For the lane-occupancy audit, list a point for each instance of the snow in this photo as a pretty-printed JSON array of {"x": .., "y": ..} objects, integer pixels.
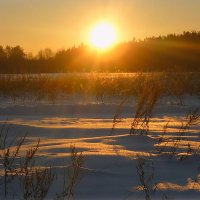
[{"x": 110, "y": 157}]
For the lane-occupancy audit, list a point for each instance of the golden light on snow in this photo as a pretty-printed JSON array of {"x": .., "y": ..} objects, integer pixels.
[{"x": 103, "y": 35}]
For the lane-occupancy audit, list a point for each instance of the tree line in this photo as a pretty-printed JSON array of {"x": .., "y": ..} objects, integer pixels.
[{"x": 173, "y": 52}]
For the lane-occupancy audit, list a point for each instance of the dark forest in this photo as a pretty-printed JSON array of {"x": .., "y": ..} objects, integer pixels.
[{"x": 174, "y": 52}]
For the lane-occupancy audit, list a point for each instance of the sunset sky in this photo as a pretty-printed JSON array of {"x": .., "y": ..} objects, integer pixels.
[{"x": 37, "y": 24}]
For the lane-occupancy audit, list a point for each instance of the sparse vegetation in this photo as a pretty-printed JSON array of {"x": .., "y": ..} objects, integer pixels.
[
  {"x": 35, "y": 181},
  {"x": 145, "y": 89},
  {"x": 148, "y": 88},
  {"x": 10, "y": 151},
  {"x": 146, "y": 174},
  {"x": 146, "y": 100},
  {"x": 172, "y": 144},
  {"x": 72, "y": 175}
]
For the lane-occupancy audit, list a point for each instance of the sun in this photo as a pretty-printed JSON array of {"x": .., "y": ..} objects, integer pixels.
[{"x": 103, "y": 36}]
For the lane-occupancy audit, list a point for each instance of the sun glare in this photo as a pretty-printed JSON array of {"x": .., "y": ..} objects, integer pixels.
[{"x": 103, "y": 36}]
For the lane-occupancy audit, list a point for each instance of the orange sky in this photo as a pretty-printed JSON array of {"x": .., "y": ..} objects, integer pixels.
[{"x": 37, "y": 24}]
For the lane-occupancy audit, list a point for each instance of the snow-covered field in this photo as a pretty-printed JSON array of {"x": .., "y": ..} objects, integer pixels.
[{"x": 109, "y": 169}]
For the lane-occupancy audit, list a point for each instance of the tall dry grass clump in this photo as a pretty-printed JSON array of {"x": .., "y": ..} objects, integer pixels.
[
  {"x": 146, "y": 174},
  {"x": 35, "y": 182},
  {"x": 18, "y": 165},
  {"x": 147, "y": 93},
  {"x": 9, "y": 155},
  {"x": 147, "y": 97},
  {"x": 191, "y": 119},
  {"x": 72, "y": 175},
  {"x": 172, "y": 145}
]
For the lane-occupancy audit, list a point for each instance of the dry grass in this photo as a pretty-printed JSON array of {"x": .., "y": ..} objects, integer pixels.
[
  {"x": 39, "y": 87},
  {"x": 9, "y": 154},
  {"x": 35, "y": 183},
  {"x": 172, "y": 145},
  {"x": 72, "y": 176},
  {"x": 149, "y": 94},
  {"x": 146, "y": 174},
  {"x": 19, "y": 165}
]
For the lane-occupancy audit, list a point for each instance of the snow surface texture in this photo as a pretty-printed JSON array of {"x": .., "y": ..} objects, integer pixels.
[{"x": 110, "y": 157}]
